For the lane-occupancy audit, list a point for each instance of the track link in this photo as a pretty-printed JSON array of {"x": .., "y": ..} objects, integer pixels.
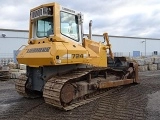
[
  {"x": 63, "y": 91},
  {"x": 52, "y": 91},
  {"x": 20, "y": 85}
]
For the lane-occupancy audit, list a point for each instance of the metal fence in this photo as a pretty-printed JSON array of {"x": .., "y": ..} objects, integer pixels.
[
  {"x": 6, "y": 55},
  {"x": 130, "y": 54},
  {"x": 144, "y": 44},
  {"x": 5, "y": 58},
  {"x": 5, "y": 61}
]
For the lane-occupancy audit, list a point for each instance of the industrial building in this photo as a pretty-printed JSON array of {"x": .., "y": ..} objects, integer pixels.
[
  {"x": 132, "y": 46},
  {"x": 11, "y": 40}
]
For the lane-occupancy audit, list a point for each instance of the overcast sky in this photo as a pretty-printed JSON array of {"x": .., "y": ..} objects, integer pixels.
[{"x": 139, "y": 18}]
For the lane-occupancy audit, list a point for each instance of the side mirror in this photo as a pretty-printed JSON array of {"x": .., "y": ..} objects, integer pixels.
[{"x": 76, "y": 19}]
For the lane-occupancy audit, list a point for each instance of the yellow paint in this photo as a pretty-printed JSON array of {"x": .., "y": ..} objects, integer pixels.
[
  {"x": 98, "y": 56},
  {"x": 62, "y": 50}
]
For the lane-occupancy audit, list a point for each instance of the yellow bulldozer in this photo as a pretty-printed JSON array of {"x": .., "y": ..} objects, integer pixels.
[{"x": 65, "y": 68}]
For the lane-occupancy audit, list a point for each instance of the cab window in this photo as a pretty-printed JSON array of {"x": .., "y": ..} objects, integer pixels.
[
  {"x": 69, "y": 26},
  {"x": 44, "y": 27}
]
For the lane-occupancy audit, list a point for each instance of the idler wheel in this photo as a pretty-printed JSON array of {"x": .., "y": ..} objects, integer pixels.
[{"x": 67, "y": 93}]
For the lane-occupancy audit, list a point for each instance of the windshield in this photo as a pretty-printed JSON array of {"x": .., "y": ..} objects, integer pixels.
[
  {"x": 44, "y": 27},
  {"x": 69, "y": 26}
]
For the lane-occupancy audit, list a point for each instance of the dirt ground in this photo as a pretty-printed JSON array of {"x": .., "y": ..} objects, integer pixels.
[{"x": 132, "y": 102}]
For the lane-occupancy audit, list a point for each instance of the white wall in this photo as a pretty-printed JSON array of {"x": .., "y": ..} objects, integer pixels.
[
  {"x": 16, "y": 38},
  {"x": 126, "y": 45},
  {"x": 12, "y": 41}
]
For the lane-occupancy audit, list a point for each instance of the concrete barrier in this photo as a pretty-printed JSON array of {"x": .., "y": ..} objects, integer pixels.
[
  {"x": 148, "y": 61},
  {"x": 152, "y": 67},
  {"x": 22, "y": 67},
  {"x": 158, "y": 66},
  {"x": 139, "y": 61},
  {"x": 12, "y": 65},
  {"x": 143, "y": 68},
  {"x": 156, "y": 60},
  {"x": 15, "y": 74}
]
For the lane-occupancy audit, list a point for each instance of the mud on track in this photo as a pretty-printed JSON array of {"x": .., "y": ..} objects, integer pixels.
[{"x": 131, "y": 102}]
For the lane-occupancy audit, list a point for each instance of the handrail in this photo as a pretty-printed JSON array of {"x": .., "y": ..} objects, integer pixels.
[
  {"x": 19, "y": 49},
  {"x": 109, "y": 45}
]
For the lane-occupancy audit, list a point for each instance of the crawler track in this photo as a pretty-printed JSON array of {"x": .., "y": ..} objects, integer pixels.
[
  {"x": 60, "y": 91},
  {"x": 53, "y": 91},
  {"x": 20, "y": 85}
]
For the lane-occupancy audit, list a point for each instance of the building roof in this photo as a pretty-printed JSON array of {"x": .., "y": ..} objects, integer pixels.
[
  {"x": 14, "y": 30},
  {"x": 115, "y": 36},
  {"x": 17, "y": 30}
]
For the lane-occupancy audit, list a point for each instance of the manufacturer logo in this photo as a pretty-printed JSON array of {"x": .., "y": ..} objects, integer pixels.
[{"x": 35, "y": 50}]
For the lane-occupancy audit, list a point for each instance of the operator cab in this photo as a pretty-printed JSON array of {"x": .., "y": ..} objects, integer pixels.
[{"x": 52, "y": 20}]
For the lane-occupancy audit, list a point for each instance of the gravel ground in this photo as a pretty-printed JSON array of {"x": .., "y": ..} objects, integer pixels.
[{"x": 131, "y": 102}]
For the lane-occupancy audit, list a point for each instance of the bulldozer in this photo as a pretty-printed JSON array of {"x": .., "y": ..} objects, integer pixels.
[{"x": 63, "y": 66}]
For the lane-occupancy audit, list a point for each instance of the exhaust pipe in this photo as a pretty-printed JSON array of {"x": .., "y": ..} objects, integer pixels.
[{"x": 90, "y": 30}]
